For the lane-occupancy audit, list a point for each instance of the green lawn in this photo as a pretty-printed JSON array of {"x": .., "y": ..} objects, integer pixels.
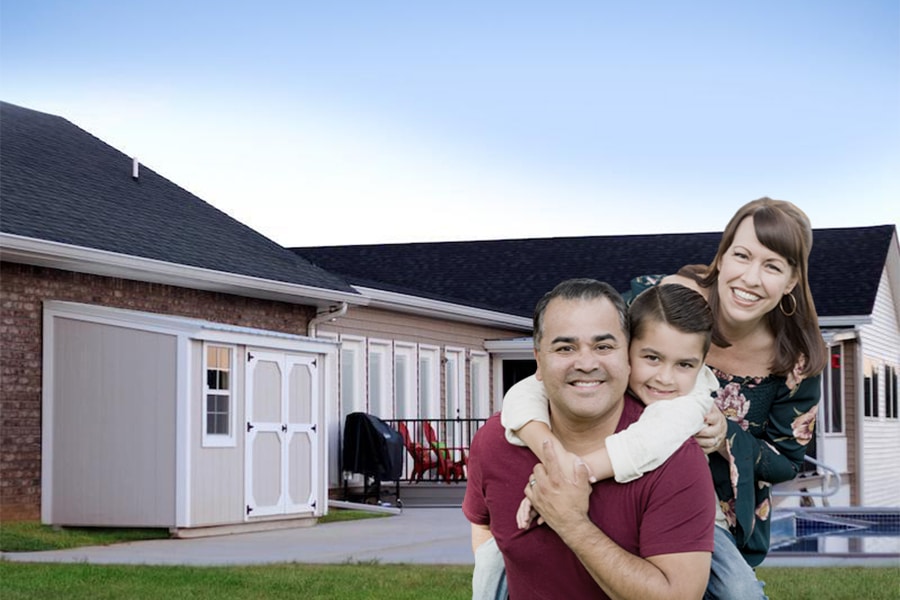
[
  {"x": 367, "y": 580},
  {"x": 370, "y": 581}
]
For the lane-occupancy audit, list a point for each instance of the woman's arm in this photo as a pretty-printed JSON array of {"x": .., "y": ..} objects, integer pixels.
[{"x": 789, "y": 429}]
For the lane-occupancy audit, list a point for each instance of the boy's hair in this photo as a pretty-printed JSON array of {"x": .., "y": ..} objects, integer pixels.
[
  {"x": 579, "y": 289},
  {"x": 676, "y": 305}
]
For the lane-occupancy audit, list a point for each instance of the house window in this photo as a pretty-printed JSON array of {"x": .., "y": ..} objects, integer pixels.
[
  {"x": 379, "y": 370},
  {"x": 405, "y": 381},
  {"x": 833, "y": 392},
  {"x": 480, "y": 387},
  {"x": 218, "y": 396},
  {"x": 890, "y": 392},
  {"x": 870, "y": 390},
  {"x": 353, "y": 380},
  {"x": 455, "y": 383},
  {"x": 429, "y": 382}
]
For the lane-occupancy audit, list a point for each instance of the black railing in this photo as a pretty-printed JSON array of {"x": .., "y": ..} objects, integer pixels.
[{"x": 436, "y": 449}]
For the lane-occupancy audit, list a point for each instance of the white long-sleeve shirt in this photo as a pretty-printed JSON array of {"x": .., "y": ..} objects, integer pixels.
[{"x": 644, "y": 445}]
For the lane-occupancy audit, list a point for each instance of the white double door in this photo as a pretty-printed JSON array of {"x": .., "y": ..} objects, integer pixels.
[{"x": 282, "y": 470}]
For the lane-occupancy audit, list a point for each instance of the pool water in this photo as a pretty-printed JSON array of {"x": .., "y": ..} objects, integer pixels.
[{"x": 854, "y": 531}]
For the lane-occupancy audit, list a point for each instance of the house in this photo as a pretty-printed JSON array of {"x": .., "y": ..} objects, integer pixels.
[
  {"x": 855, "y": 282},
  {"x": 153, "y": 348},
  {"x": 156, "y": 365}
]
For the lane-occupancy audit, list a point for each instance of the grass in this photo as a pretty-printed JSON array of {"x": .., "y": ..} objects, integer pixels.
[
  {"x": 370, "y": 581},
  {"x": 359, "y": 580},
  {"x": 31, "y": 536}
]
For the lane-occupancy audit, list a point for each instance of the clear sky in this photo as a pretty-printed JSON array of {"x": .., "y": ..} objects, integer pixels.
[{"x": 344, "y": 122}]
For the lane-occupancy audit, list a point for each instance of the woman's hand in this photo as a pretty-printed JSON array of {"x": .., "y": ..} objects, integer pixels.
[{"x": 712, "y": 437}]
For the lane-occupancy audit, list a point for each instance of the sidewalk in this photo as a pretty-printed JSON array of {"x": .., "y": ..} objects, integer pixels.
[{"x": 416, "y": 535}]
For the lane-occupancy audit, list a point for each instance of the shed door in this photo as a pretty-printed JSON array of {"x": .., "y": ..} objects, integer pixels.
[{"x": 282, "y": 451}]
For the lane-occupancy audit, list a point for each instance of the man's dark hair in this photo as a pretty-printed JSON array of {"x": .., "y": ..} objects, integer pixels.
[{"x": 579, "y": 289}]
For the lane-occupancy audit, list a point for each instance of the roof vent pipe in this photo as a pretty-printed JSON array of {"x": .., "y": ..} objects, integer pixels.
[{"x": 135, "y": 169}]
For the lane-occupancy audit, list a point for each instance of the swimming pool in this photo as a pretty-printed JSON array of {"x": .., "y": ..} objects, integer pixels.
[{"x": 840, "y": 532}]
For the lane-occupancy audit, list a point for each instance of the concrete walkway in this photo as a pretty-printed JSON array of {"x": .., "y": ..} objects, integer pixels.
[{"x": 416, "y": 535}]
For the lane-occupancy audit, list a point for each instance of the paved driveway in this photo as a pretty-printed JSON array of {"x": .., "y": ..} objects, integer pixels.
[{"x": 416, "y": 535}]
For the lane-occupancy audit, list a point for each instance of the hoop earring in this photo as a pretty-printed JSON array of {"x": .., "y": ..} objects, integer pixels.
[{"x": 793, "y": 307}]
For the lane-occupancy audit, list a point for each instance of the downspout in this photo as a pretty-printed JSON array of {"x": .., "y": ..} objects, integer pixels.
[{"x": 332, "y": 314}]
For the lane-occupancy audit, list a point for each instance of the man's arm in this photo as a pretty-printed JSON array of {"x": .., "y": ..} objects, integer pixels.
[
  {"x": 564, "y": 507},
  {"x": 480, "y": 534}
]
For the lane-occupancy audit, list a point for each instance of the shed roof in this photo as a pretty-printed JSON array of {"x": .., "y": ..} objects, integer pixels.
[
  {"x": 59, "y": 183},
  {"x": 511, "y": 275}
]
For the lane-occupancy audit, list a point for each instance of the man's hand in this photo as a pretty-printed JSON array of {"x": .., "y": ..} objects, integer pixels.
[{"x": 560, "y": 501}]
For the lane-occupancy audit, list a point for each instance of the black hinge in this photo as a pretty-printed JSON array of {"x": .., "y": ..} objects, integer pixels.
[
  {"x": 313, "y": 427},
  {"x": 313, "y": 503},
  {"x": 314, "y": 361},
  {"x": 249, "y": 509},
  {"x": 283, "y": 427},
  {"x": 249, "y": 357},
  {"x": 249, "y": 426}
]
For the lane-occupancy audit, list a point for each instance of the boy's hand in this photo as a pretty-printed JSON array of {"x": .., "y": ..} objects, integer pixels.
[{"x": 525, "y": 514}]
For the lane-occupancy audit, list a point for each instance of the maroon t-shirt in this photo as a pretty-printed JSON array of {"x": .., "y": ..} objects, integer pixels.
[{"x": 669, "y": 510}]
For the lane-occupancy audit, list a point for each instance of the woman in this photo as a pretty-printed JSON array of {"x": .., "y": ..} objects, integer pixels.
[{"x": 767, "y": 354}]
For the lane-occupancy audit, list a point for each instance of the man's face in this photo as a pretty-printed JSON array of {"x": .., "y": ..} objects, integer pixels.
[{"x": 583, "y": 360}]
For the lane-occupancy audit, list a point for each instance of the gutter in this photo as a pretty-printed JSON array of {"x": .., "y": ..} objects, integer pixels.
[
  {"x": 68, "y": 257},
  {"x": 443, "y": 310},
  {"x": 332, "y": 314}
]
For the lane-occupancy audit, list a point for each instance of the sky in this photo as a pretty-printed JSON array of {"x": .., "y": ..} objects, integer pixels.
[{"x": 361, "y": 122}]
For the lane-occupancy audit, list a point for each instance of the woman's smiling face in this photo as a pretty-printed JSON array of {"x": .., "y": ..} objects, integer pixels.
[{"x": 752, "y": 278}]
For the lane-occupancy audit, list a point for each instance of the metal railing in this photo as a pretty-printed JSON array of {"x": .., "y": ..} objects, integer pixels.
[
  {"x": 436, "y": 450},
  {"x": 831, "y": 477}
]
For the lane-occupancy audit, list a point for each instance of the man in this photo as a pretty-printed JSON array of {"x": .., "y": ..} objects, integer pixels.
[{"x": 650, "y": 538}]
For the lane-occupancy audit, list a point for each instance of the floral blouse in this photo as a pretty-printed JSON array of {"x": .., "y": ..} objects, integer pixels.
[{"x": 770, "y": 422}]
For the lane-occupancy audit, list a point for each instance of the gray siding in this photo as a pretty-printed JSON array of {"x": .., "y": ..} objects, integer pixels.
[{"x": 114, "y": 392}]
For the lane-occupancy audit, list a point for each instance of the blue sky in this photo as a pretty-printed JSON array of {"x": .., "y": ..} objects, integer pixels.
[{"x": 322, "y": 123}]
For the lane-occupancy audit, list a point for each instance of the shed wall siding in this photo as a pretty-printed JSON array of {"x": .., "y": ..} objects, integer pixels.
[
  {"x": 24, "y": 289},
  {"x": 881, "y": 436},
  {"x": 113, "y": 425},
  {"x": 217, "y": 474}
]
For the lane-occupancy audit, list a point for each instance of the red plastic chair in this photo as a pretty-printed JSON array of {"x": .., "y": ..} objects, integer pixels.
[
  {"x": 448, "y": 468},
  {"x": 421, "y": 455}
]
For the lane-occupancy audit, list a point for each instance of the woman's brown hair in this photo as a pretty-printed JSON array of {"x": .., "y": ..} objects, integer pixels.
[{"x": 783, "y": 228}]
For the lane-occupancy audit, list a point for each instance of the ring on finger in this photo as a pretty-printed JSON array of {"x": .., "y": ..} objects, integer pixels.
[{"x": 532, "y": 482}]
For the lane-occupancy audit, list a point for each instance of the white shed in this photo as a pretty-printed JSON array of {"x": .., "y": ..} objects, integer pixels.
[{"x": 152, "y": 420}]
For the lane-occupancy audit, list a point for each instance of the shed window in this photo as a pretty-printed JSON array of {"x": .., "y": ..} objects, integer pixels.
[{"x": 218, "y": 402}]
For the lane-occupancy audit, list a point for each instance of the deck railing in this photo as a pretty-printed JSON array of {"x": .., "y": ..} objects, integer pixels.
[{"x": 436, "y": 450}]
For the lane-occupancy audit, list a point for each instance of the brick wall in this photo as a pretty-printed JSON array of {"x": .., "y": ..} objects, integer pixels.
[{"x": 23, "y": 289}]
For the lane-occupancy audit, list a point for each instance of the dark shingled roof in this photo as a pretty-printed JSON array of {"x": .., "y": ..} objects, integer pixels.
[
  {"x": 511, "y": 275},
  {"x": 62, "y": 184}
]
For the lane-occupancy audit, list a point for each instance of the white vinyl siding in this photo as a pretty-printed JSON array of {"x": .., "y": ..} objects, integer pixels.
[{"x": 880, "y": 435}]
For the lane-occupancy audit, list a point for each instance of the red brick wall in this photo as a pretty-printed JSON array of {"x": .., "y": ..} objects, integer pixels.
[{"x": 23, "y": 289}]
